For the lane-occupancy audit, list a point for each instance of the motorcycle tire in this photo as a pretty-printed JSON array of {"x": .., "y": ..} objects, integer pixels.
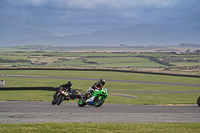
[
  {"x": 54, "y": 101},
  {"x": 81, "y": 103},
  {"x": 98, "y": 102},
  {"x": 198, "y": 101},
  {"x": 60, "y": 99}
]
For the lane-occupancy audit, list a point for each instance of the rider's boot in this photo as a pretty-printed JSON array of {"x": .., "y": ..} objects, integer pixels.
[
  {"x": 90, "y": 100},
  {"x": 68, "y": 97}
]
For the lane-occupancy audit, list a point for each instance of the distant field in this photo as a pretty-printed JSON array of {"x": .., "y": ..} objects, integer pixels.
[
  {"x": 139, "y": 58},
  {"x": 186, "y": 63},
  {"x": 125, "y": 60},
  {"x": 132, "y": 65},
  {"x": 118, "y": 59},
  {"x": 76, "y": 59},
  {"x": 13, "y": 57},
  {"x": 77, "y": 62}
]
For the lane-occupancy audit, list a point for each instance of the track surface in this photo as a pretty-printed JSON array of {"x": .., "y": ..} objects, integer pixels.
[{"x": 38, "y": 112}]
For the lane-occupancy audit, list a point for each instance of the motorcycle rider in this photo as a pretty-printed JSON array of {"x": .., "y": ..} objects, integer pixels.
[
  {"x": 66, "y": 87},
  {"x": 99, "y": 84}
]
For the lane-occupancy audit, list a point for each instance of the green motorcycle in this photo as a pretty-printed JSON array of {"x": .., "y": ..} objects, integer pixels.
[{"x": 100, "y": 96}]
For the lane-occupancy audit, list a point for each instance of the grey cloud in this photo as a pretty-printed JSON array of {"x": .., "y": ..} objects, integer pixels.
[
  {"x": 90, "y": 4},
  {"x": 97, "y": 12}
]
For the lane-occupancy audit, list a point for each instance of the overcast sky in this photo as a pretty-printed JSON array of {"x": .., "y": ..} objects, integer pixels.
[{"x": 81, "y": 16}]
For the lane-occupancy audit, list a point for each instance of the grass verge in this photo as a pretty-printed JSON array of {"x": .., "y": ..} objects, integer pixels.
[{"x": 101, "y": 127}]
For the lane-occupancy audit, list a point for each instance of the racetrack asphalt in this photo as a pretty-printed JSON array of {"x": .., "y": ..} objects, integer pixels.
[{"x": 39, "y": 112}]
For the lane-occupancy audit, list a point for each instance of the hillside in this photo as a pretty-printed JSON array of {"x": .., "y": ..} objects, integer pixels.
[{"x": 146, "y": 34}]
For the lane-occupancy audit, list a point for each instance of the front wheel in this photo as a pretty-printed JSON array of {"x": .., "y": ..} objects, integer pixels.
[
  {"x": 99, "y": 101},
  {"x": 198, "y": 101},
  {"x": 60, "y": 99},
  {"x": 81, "y": 103},
  {"x": 54, "y": 101}
]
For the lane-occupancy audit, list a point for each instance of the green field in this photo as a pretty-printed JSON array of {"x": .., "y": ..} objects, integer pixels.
[
  {"x": 143, "y": 98},
  {"x": 123, "y": 62},
  {"x": 129, "y": 60},
  {"x": 103, "y": 74},
  {"x": 103, "y": 60}
]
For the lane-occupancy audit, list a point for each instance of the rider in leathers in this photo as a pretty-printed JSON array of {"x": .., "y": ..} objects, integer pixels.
[
  {"x": 66, "y": 87},
  {"x": 97, "y": 85}
]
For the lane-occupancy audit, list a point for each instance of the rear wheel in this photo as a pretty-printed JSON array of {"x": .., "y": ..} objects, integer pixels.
[
  {"x": 60, "y": 99},
  {"x": 81, "y": 103},
  {"x": 198, "y": 101},
  {"x": 99, "y": 101}
]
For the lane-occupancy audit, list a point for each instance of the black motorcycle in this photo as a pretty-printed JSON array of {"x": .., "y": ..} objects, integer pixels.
[
  {"x": 61, "y": 95},
  {"x": 198, "y": 101}
]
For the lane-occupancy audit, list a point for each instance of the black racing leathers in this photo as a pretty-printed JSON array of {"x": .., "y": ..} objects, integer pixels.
[
  {"x": 65, "y": 87},
  {"x": 96, "y": 86}
]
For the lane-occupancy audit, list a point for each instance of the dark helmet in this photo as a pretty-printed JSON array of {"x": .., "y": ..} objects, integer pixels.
[
  {"x": 69, "y": 83},
  {"x": 102, "y": 82}
]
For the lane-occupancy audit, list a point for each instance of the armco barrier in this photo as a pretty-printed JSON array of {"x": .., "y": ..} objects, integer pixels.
[
  {"x": 74, "y": 92},
  {"x": 29, "y": 88}
]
